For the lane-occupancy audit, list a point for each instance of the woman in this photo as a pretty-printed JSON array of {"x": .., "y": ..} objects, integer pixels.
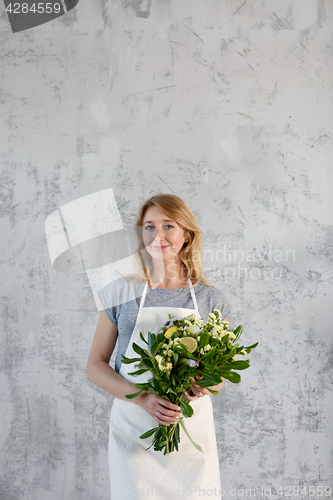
[{"x": 172, "y": 282}]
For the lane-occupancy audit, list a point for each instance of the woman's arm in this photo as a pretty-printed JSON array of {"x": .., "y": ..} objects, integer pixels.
[{"x": 100, "y": 373}]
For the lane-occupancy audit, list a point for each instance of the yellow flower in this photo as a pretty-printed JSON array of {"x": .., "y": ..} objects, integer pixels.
[{"x": 169, "y": 332}]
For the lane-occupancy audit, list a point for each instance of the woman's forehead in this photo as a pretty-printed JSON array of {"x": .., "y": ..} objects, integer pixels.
[{"x": 155, "y": 213}]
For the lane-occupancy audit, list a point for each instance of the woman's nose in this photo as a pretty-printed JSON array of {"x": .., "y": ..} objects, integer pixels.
[{"x": 160, "y": 234}]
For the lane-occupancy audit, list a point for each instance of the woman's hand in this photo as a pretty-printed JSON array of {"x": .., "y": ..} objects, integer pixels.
[
  {"x": 197, "y": 390},
  {"x": 160, "y": 409}
]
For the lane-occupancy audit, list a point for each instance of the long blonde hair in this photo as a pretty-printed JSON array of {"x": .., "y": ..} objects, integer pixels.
[{"x": 191, "y": 254}]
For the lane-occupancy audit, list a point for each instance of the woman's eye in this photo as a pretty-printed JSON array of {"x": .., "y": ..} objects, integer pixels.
[{"x": 152, "y": 227}]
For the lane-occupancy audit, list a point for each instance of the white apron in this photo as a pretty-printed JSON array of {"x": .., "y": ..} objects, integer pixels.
[{"x": 141, "y": 474}]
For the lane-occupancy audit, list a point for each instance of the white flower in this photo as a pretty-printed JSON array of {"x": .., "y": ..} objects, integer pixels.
[
  {"x": 243, "y": 352},
  {"x": 193, "y": 329},
  {"x": 231, "y": 335},
  {"x": 207, "y": 347},
  {"x": 199, "y": 322},
  {"x": 217, "y": 313}
]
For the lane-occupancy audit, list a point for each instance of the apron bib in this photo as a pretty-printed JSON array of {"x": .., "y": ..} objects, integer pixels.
[{"x": 135, "y": 472}]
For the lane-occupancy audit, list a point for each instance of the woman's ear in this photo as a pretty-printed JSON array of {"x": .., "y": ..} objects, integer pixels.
[{"x": 187, "y": 237}]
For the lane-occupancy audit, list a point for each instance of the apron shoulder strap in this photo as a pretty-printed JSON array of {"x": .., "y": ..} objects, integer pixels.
[
  {"x": 143, "y": 298},
  {"x": 193, "y": 296}
]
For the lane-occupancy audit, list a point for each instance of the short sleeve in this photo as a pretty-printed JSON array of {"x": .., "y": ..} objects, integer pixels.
[{"x": 105, "y": 296}]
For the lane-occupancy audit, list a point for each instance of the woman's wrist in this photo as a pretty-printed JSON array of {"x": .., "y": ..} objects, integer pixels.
[{"x": 138, "y": 400}]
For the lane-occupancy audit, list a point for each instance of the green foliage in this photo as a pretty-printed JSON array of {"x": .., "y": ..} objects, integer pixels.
[
  {"x": 172, "y": 365},
  {"x": 186, "y": 408},
  {"x": 132, "y": 396}
]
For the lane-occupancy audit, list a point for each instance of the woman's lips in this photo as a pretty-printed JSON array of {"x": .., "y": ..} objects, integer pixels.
[{"x": 162, "y": 247}]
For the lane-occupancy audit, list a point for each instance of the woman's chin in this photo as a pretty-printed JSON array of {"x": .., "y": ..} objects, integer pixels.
[{"x": 161, "y": 255}]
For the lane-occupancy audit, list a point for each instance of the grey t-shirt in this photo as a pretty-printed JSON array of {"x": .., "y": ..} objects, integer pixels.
[{"x": 121, "y": 301}]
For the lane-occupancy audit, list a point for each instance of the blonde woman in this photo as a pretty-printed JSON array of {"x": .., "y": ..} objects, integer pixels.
[{"x": 171, "y": 281}]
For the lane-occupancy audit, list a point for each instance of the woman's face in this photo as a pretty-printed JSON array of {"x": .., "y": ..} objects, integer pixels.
[{"x": 162, "y": 237}]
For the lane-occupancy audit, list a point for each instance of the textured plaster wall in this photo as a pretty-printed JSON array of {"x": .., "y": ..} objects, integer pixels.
[{"x": 227, "y": 104}]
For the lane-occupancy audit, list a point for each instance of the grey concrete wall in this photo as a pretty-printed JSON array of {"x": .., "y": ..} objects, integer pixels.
[{"x": 227, "y": 104}]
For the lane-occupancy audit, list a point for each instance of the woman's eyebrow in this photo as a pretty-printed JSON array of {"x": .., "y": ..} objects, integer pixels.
[{"x": 151, "y": 222}]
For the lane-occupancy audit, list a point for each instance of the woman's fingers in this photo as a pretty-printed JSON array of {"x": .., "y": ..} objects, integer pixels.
[
  {"x": 166, "y": 420},
  {"x": 168, "y": 404},
  {"x": 166, "y": 412},
  {"x": 191, "y": 398},
  {"x": 197, "y": 390}
]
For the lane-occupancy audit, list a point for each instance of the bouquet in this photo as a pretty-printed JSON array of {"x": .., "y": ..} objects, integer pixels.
[{"x": 182, "y": 349}]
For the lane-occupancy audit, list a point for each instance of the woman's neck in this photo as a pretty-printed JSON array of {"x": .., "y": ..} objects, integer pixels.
[{"x": 168, "y": 275}]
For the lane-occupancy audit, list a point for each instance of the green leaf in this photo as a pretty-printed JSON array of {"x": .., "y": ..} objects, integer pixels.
[
  {"x": 157, "y": 347},
  {"x": 233, "y": 377},
  {"x": 181, "y": 421},
  {"x": 211, "y": 378},
  {"x": 239, "y": 365},
  {"x": 151, "y": 340},
  {"x": 215, "y": 393},
  {"x": 238, "y": 331},
  {"x": 183, "y": 362},
  {"x": 187, "y": 409},
  {"x": 144, "y": 387},
  {"x": 232, "y": 353},
  {"x": 148, "y": 363},
  {"x": 138, "y": 349},
  {"x": 204, "y": 339},
  {"x": 185, "y": 353},
  {"x": 128, "y": 361},
  {"x": 143, "y": 339},
  {"x": 148, "y": 433},
  {"x": 132, "y": 396},
  {"x": 248, "y": 349},
  {"x": 139, "y": 372},
  {"x": 207, "y": 366},
  {"x": 163, "y": 386}
]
